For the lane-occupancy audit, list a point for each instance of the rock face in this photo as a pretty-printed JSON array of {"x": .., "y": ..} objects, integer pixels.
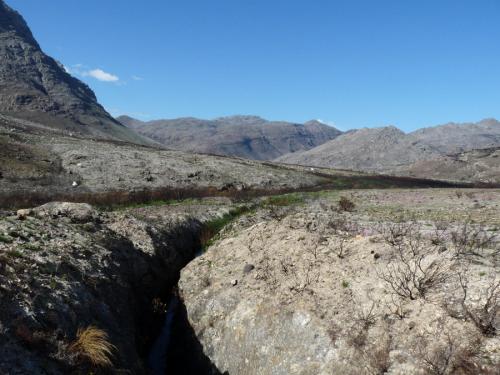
[
  {"x": 34, "y": 86},
  {"x": 319, "y": 299},
  {"x": 249, "y": 137},
  {"x": 389, "y": 150}
]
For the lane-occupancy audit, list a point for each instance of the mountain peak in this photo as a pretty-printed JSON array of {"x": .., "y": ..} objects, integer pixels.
[
  {"x": 11, "y": 22},
  {"x": 36, "y": 87},
  {"x": 241, "y": 119}
]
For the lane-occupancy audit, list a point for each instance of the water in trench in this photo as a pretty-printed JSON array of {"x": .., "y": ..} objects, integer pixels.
[
  {"x": 157, "y": 359},
  {"x": 177, "y": 350}
]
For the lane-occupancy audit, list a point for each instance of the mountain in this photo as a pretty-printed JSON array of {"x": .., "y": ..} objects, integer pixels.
[
  {"x": 389, "y": 150},
  {"x": 454, "y": 138},
  {"x": 378, "y": 149},
  {"x": 34, "y": 86},
  {"x": 248, "y": 137},
  {"x": 481, "y": 165}
]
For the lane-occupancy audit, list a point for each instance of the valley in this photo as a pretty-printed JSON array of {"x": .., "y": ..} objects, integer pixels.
[{"x": 234, "y": 245}]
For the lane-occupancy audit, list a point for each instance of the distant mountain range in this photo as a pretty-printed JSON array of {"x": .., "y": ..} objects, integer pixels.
[
  {"x": 389, "y": 150},
  {"x": 37, "y": 94},
  {"x": 248, "y": 137},
  {"x": 34, "y": 86}
]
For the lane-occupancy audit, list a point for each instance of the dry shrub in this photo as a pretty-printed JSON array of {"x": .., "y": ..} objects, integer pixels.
[
  {"x": 364, "y": 317},
  {"x": 471, "y": 240},
  {"x": 442, "y": 352},
  {"x": 93, "y": 344},
  {"x": 484, "y": 310},
  {"x": 412, "y": 274},
  {"x": 344, "y": 231},
  {"x": 345, "y": 204}
]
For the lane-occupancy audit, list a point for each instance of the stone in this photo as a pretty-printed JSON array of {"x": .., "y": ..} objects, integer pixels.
[
  {"x": 23, "y": 214},
  {"x": 248, "y": 268},
  {"x": 77, "y": 212}
]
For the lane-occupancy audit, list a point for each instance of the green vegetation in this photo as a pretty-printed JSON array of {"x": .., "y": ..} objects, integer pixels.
[
  {"x": 153, "y": 203},
  {"x": 6, "y": 239},
  {"x": 345, "y": 284},
  {"x": 31, "y": 246},
  {"x": 14, "y": 254},
  {"x": 284, "y": 200},
  {"x": 211, "y": 229}
]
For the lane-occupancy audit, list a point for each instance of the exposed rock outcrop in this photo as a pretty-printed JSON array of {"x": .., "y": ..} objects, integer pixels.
[
  {"x": 67, "y": 267},
  {"x": 319, "y": 299}
]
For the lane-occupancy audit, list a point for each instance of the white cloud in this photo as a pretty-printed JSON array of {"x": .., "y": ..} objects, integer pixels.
[
  {"x": 137, "y": 78},
  {"x": 82, "y": 70},
  {"x": 101, "y": 75}
]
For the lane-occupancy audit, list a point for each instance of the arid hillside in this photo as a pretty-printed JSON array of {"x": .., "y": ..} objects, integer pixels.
[{"x": 248, "y": 137}]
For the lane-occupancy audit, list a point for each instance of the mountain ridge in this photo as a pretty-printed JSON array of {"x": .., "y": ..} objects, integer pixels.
[
  {"x": 244, "y": 136},
  {"x": 427, "y": 152}
]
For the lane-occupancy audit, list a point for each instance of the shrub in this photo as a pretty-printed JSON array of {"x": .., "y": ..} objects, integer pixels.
[
  {"x": 470, "y": 240},
  {"x": 484, "y": 313},
  {"x": 411, "y": 274},
  {"x": 345, "y": 204},
  {"x": 93, "y": 344},
  {"x": 442, "y": 352},
  {"x": 6, "y": 239}
]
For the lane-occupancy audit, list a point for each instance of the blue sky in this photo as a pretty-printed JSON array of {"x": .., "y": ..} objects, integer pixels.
[{"x": 352, "y": 63}]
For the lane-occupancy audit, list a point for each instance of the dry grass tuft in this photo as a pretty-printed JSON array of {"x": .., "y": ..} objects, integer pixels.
[{"x": 93, "y": 344}]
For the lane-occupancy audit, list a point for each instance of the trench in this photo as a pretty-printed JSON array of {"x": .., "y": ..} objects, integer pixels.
[
  {"x": 176, "y": 349},
  {"x": 173, "y": 347}
]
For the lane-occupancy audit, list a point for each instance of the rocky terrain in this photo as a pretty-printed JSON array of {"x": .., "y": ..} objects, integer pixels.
[
  {"x": 179, "y": 254},
  {"x": 389, "y": 150},
  {"x": 476, "y": 165},
  {"x": 248, "y": 137},
  {"x": 399, "y": 282},
  {"x": 306, "y": 283},
  {"x": 36, "y": 87},
  {"x": 65, "y": 267},
  {"x": 37, "y": 166}
]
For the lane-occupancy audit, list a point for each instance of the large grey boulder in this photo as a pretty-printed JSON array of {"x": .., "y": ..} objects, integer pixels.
[{"x": 76, "y": 212}]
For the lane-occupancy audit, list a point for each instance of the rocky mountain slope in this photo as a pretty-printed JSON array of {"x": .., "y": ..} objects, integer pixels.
[
  {"x": 389, "y": 150},
  {"x": 477, "y": 165},
  {"x": 36, "y": 87},
  {"x": 376, "y": 150},
  {"x": 249, "y": 137},
  {"x": 454, "y": 138}
]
